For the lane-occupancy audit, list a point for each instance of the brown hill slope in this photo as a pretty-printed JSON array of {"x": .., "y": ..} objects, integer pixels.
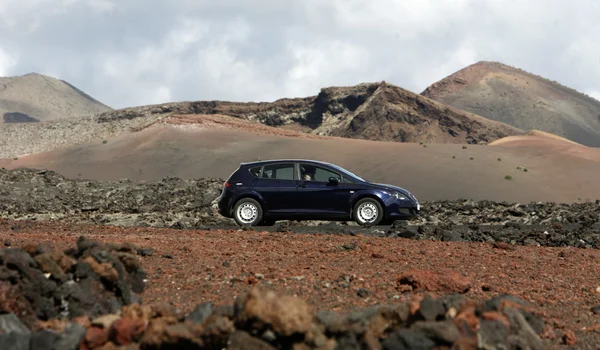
[
  {"x": 521, "y": 99},
  {"x": 32, "y": 97},
  {"x": 195, "y": 146},
  {"x": 373, "y": 111}
]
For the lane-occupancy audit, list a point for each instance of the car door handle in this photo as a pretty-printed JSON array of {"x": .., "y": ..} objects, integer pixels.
[{"x": 303, "y": 185}]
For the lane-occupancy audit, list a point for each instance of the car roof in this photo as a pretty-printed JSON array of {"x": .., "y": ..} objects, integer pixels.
[{"x": 271, "y": 161}]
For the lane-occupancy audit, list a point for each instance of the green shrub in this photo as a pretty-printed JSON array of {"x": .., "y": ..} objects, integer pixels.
[{"x": 508, "y": 177}]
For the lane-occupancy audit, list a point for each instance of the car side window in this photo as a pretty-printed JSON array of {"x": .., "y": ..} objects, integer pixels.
[
  {"x": 316, "y": 173},
  {"x": 255, "y": 171},
  {"x": 278, "y": 171},
  {"x": 347, "y": 180}
]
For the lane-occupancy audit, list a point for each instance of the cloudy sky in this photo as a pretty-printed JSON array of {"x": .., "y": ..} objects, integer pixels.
[{"x": 135, "y": 52}]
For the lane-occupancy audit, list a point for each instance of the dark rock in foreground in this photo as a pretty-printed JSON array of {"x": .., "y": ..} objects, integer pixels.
[
  {"x": 263, "y": 320},
  {"x": 39, "y": 284}
]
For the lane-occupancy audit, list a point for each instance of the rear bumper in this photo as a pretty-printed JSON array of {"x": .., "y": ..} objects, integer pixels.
[{"x": 223, "y": 207}]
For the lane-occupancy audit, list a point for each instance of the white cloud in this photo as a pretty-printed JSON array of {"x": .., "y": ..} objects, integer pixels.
[
  {"x": 102, "y": 6},
  {"x": 594, "y": 94},
  {"x": 135, "y": 52},
  {"x": 408, "y": 18},
  {"x": 324, "y": 63},
  {"x": 6, "y": 63}
]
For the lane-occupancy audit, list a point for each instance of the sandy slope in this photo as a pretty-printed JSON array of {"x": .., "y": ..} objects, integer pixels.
[
  {"x": 45, "y": 98},
  {"x": 549, "y": 144},
  {"x": 199, "y": 146}
]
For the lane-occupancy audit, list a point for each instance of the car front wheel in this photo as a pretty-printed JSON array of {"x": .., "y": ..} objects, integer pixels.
[
  {"x": 247, "y": 212},
  {"x": 368, "y": 211}
]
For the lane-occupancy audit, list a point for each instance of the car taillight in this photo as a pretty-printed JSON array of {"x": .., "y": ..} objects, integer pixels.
[{"x": 227, "y": 184}]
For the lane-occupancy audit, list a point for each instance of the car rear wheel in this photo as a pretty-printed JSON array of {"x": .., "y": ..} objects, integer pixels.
[
  {"x": 368, "y": 211},
  {"x": 247, "y": 212}
]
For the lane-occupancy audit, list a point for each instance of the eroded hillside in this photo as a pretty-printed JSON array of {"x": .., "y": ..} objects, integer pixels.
[{"x": 373, "y": 111}]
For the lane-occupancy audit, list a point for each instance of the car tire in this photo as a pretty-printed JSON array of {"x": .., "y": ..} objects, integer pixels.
[
  {"x": 368, "y": 211},
  {"x": 247, "y": 212}
]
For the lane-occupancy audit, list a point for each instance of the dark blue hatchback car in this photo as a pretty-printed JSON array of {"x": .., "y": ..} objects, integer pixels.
[{"x": 260, "y": 193}]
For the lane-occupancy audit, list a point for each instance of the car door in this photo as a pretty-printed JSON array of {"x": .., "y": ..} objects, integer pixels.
[
  {"x": 277, "y": 186},
  {"x": 319, "y": 197}
]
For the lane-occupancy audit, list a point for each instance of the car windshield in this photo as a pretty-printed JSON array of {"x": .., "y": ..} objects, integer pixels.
[{"x": 347, "y": 172}]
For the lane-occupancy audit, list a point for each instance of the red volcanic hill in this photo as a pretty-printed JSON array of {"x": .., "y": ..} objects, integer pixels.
[{"x": 521, "y": 99}]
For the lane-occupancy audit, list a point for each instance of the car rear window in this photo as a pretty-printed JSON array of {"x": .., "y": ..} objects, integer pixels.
[{"x": 255, "y": 171}]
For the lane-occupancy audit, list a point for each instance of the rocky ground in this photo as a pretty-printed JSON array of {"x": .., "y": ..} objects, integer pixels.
[
  {"x": 166, "y": 288},
  {"x": 190, "y": 204}
]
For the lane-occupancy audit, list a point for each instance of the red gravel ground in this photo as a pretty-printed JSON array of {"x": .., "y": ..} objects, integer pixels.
[{"x": 188, "y": 267}]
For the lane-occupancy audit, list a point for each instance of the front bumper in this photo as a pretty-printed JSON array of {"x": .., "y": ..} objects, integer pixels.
[{"x": 403, "y": 209}]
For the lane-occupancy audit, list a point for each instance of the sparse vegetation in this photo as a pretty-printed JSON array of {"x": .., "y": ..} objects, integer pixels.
[
  {"x": 104, "y": 141},
  {"x": 464, "y": 147},
  {"x": 519, "y": 167},
  {"x": 453, "y": 157},
  {"x": 508, "y": 177},
  {"x": 525, "y": 169},
  {"x": 16, "y": 158},
  {"x": 499, "y": 159},
  {"x": 471, "y": 158}
]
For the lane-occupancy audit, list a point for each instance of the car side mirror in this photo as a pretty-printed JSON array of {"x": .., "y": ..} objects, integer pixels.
[{"x": 334, "y": 180}]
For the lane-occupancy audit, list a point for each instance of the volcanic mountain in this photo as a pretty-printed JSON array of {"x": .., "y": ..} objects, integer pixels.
[
  {"x": 521, "y": 99},
  {"x": 369, "y": 111},
  {"x": 34, "y": 97}
]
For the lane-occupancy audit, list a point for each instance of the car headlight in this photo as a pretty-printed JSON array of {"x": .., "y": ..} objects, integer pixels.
[{"x": 399, "y": 195}]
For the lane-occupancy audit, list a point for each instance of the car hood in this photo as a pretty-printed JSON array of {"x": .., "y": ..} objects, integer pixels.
[{"x": 389, "y": 187}]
